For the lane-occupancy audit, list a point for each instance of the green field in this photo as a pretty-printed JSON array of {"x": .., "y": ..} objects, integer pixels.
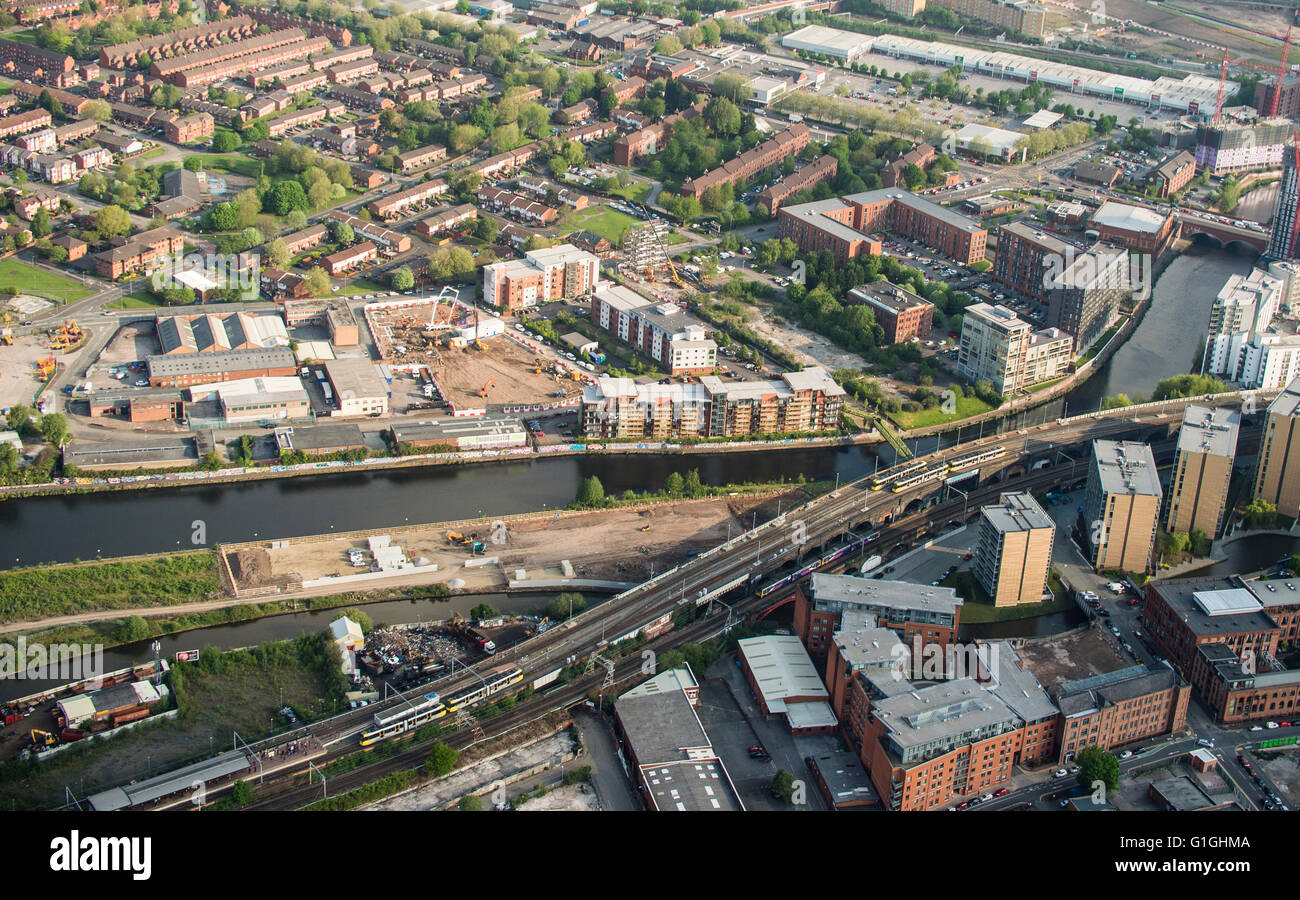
[
  {"x": 966, "y": 407},
  {"x": 608, "y": 223},
  {"x": 235, "y": 163},
  {"x": 138, "y": 300},
  {"x": 363, "y": 286},
  {"x": 25, "y": 279},
  {"x": 636, "y": 191}
]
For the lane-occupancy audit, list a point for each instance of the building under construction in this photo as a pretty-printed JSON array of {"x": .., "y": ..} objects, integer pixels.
[
  {"x": 645, "y": 249},
  {"x": 1241, "y": 141}
]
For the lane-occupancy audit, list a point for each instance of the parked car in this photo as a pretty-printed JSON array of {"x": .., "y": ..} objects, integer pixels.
[{"x": 1127, "y": 754}]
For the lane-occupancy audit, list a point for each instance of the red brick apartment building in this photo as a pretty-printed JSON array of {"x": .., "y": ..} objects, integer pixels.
[
  {"x": 628, "y": 89},
  {"x": 22, "y": 122},
  {"x": 138, "y": 252},
  {"x": 920, "y": 156},
  {"x": 1136, "y": 227},
  {"x": 1183, "y": 614},
  {"x": 399, "y": 203},
  {"x": 304, "y": 240},
  {"x": 1172, "y": 175},
  {"x": 1120, "y": 707},
  {"x": 757, "y": 159},
  {"x": 421, "y": 157},
  {"x": 630, "y": 148},
  {"x": 822, "y": 169},
  {"x": 843, "y": 225},
  {"x": 274, "y": 19},
  {"x": 1024, "y": 255},
  {"x": 71, "y": 103},
  {"x": 901, "y": 313},
  {"x": 929, "y": 614},
  {"x": 183, "y": 129}
]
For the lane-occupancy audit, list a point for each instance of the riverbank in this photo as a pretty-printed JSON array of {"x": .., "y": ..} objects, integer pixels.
[
  {"x": 249, "y": 580},
  {"x": 167, "y": 479}
]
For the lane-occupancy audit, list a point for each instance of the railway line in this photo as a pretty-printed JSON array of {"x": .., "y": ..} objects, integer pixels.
[{"x": 742, "y": 561}]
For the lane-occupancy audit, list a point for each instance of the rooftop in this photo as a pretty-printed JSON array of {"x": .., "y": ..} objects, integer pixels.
[
  {"x": 888, "y": 296},
  {"x": 319, "y": 437},
  {"x": 220, "y": 361},
  {"x": 781, "y": 668},
  {"x": 1287, "y": 403},
  {"x": 1126, "y": 467},
  {"x": 355, "y": 378},
  {"x": 950, "y": 709},
  {"x": 889, "y": 594},
  {"x": 1017, "y": 512},
  {"x": 1129, "y": 218},
  {"x": 1209, "y": 430},
  {"x": 662, "y": 728},
  {"x": 1180, "y": 595}
]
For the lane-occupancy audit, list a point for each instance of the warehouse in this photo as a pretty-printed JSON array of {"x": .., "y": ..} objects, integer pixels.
[
  {"x": 138, "y": 404},
  {"x": 212, "y": 333},
  {"x": 780, "y": 672},
  {"x": 846, "y": 45},
  {"x": 463, "y": 434},
  {"x": 319, "y": 440},
  {"x": 164, "y": 453},
  {"x": 183, "y": 370},
  {"x": 110, "y": 704},
  {"x": 256, "y": 399},
  {"x": 359, "y": 389}
]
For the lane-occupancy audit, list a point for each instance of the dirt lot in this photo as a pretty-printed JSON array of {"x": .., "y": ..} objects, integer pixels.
[
  {"x": 604, "y": 545},
  {"x": 18, "y": 368},
  {"x": 1284, "y": 771},
  {"x": 570, "y": 798},
  {"x": 1166, "y": 17},
  {"x": 133, "y": 342},
  {"x": 1071, "y": 656},
  {"x": 510, "y": 368}
]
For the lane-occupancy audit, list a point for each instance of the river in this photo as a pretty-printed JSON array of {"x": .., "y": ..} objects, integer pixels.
[{"x": 84, "y": 526}]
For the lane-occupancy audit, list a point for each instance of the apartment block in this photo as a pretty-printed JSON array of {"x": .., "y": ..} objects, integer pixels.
[
  {"x": 308, "y": 238},
  {"x": 820, "y": 170},
  {"x": 401, "y": 202},
  {"x": 177, "y": 43},
  {"x": 663, "y": 331},
  {"x": 753, "y": 161},
  {"x": 902, "y": 314},
  {"x": 555, "y": 273},
  {"x": 798, "y": 402},
  {"x": 421, "y": 157},
  {"x": 139, "y": 252},
  {"x": 927, "y": 614},
  {"x": 1121, "y": 506},
  {"x": 1172, "y": 175},
  {"x": 1120, "y": 707},
  {"x": 999, "y": 347},
  {"x": 1083, "y": 297},
  {"x": 1024, "y": 256},
  {"x": 1014, "y": 553},
  {"x": 1277, "y": 477},
  {"x": 1198, "y": 487},
  {"x": 18, "y": 123},
  {"x": 844, "y": 226}
]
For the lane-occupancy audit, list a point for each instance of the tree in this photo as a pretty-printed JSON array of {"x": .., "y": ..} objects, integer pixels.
[
  {"x": 470, "y": 802},
  {"x": 692, "y": 484},
  {"x": 1258, "y": 513},
  {"x": 225, "y": 141},
  {"x": 783, "y": 784},
  {"x": 1186, "y": 386},
  {"x": 193, "y": 163},
  {"x": 98, "y": 110},
  {"x": 733, "y": 87},
  {"x": 241, "y": 794},
  {"x": 674, "y": 484},
  {"x": 561, "y": 605},
  {"x": 442, "y": 759},
  {"x": 1095, "y": 764},
  {"x": 277, "y": 253},
  {"x": 343, "y": 232},
  {"x": 18, "y": 176},
  {"x": 590, "y": 493},
  {"x": 134, "y": 629},
  {"x": 54, "y": 427},
  {"x": 318, "y": 281},
  {"x": 482, "y": 611},
  {"x": 403, "y": 280},
  {"x": 287, "y": 196},
  {"x": 41, "y": 222},
  {"x": 112, "y": 221}
]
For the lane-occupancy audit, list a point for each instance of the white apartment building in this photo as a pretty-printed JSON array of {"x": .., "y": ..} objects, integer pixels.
[
  {"x": 1243, "y": 309},
  {"x": 999, "y": 347}
]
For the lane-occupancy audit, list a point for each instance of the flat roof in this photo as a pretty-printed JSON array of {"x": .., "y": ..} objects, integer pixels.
[
  {"x": 892, "y": 594},
  {"x": 813, "y": 37},
  {"x": 929, "y": 207},
  {"x": 1275, "y": 592},
  {"x": 1017, "y": 512},
  {"x": 1210, "y": 430},
  {"x": 1126, "y": 467},
  {"x": 1226, "y": 602},
  {"x": 165, "y": 450},
  {"x": 662, "y": 728},
  {"x": 781, "y": 669},
  {"x": 693, "y": 785},
  {"x": 319, "y": 437},
  {"x": 679, "y": 679},
  {"x": 458, "y": 428},
  {"x": 923, "y": 716},
  {"x": 868, "y": 647},
  {"x": 999, "y": 140},
  {"x": 355, "y": 378},
  {"x": 844, "y": 777},
  {"x": 1287, "y": 403},
  {"x": 1128, "y": 218},
  {"x": 1180, "y": 595}
]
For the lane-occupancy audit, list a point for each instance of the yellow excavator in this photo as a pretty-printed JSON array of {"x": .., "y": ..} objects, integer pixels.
[{"x": 42, "y": 738}]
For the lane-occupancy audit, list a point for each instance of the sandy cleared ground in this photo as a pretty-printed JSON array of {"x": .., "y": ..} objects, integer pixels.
[
  {"x": 1068, "y": 657},
  {"x": 608, "y": 544},
  {"x": 1167, "y": 19},
  {"x": 1284, "y": 771},
  {"x": 570, "y": 798},
  {"x": 508, "y": 365},
  {"x": 18, "y": 383},
  {"x": 813, "y": 348}
]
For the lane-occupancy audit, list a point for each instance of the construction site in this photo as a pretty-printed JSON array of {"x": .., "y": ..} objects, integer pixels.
[
  {"x": 471, "y": 358},
  {"x": 618, "y": 545},
  {"x": 29, "y": 361}
]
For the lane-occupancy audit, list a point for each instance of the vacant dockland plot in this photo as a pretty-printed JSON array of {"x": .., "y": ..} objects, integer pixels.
[{"x": 506, "y": 368}]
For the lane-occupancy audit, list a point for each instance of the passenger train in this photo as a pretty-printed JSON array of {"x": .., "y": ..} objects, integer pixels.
[{"x": 400, "y": 720}]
